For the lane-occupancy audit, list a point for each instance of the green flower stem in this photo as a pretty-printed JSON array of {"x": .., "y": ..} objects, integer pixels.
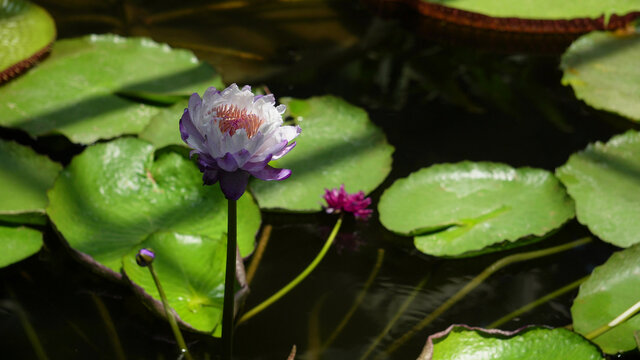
[
  {"x": 356, "y": 302},
  {"x": 511, "y": 259},
  {"x": 537, "y": 303},
  {"x": 229, "y": 280},
  {"x": 275, "y": 297},
  {"x": 615, "y": 322},
  {"x": 396, "y": 317},
  {"x": 170, "y": 317}
]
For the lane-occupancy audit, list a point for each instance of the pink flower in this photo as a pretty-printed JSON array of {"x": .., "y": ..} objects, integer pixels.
[{"x": 338, "y": 200}]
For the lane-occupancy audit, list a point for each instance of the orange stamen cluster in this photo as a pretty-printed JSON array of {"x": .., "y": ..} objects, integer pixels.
[{"x": 231, "y": 118}]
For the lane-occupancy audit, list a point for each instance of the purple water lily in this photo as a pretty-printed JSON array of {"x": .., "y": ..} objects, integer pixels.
[
  {"x": 236, "y": 134},
  {"x": 338, "y": 200}
]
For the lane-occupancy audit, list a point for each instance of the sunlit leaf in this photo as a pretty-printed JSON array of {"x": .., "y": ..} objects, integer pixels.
[{"x": 18, "y": 243}]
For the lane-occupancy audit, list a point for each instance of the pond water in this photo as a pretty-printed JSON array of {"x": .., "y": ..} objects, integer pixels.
[{"x": 436, "y": 102}]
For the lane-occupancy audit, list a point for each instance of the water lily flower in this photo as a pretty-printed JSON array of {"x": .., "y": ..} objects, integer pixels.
[
  {"x": 338, "y": 200},
  {"x": 236, "y": 134}
]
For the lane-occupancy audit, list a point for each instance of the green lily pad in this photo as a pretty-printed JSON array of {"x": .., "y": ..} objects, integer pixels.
[
  {"x": 460, "y": 208},
  {"x": 610, "y": 290},
  {"x": 163, "y": 128},
  {"x": 75, "y": 91},
  {"x": 531, "y": 343},
  {"x": 191, "y": 271},
  {"x": 601, "y": 69},
  {"x": 114, "y": 195},
  {"x": 338, "y": 145},
  {"x": 544, "y": 9},
  {"x": 26, "y": 30},
  {"x": 604, "y": 181},
  {"x": 25, "y": 177},
  {"x": 17, "y": 244}
]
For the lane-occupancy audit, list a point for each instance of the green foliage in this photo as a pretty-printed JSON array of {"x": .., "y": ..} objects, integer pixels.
[
  {"x": 25, "y": 30},
  {"x": 75, "y": 92},
  {"x": 114, "y": 195},
  {"x": 532, "y": 343},
  {"x": 460, "y": 208},
  {"x": 25, "y": 177},
  {"x": 601, "y": 68},
  {"x": 604, "y": 181},
  {"x": 610, "y": 290},
  {"x": 338, "y": 145},
  {"x": 163, "y": 129},
  {"x": 17, "y": 244},
  {"x": 191, "y": 270}
]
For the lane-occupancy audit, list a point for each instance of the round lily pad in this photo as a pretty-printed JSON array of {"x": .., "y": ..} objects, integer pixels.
[
  {"x": 611, "y": 289},
  {"x": 18, "y": 243},
  {"x": 163, "y": 127},
  {"x": 26, "y": 32},
  {"x": 338, "y": 145},
  {"x": 191, "y": 270},
  {"x": 114, "y": 195},
  {"x": 601, "y": 69},
  {"x": 531, "y": 343},
  {"x": 75, "y": 92},
  {"x": 25, "y": 177},
  {"x": 604, "y": 181},
  {"x": 464, "y": 207}
]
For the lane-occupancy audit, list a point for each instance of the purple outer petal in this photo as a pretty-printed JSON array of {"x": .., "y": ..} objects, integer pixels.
[
  {"x": 210, "y": 176},
  {"x": 233, "y": 184},
  {"x": 284, "y": 151},
  {"x": 188, "y": 130},
  {"x": 271, "y": 173},
  {"x": 227, "y": 163},
  {"x": 255, "y": 166}
]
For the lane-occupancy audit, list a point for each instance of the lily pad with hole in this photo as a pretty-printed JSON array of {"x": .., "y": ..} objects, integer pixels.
[
  {"x": 338, "y": 145},
  {"x": 114, "y": 195},
  {"x": 611, "y": 289},
  {"x": 191, "y": 271},
  {"x": 601, "y": 69},
  {"x": 17, "y": 244},
  {"x": 26, "y": 32},
  {"x": 531, "y": 343},
  {"x": 25, "y": 177},
  {"x": 604, "y": 181},
  {"x": 98, "y": 87},
  {"x": 459, "y": 209}
]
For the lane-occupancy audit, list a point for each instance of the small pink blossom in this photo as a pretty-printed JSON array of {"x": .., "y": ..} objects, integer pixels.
[{"x": 338, "y": 200}]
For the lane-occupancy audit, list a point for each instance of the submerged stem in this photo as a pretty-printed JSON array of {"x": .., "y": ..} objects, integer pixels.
[
  {"x": 229, "y": 281},
  {"x": 537, "y": 302},
  {"x": 275, "y": 297},
  {"x": 169, "y": 314},
  {"x": 257, "y": 256},
  {"x": 111, "y": 328},
  {"x": 511, "y": 259}
]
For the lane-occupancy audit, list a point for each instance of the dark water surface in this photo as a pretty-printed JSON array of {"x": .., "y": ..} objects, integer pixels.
[{"x": 436, "y": 102}]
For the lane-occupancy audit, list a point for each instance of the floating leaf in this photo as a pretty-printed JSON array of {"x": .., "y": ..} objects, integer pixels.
[
  {"x": 610, "y": 290},
  {"x": 601, "y": 69},
  {"x": 25, "y": 177},
  {"x": 338, "y": 145},
  {"x": 459, "y": 208},
  {"x": 26, "y": 31},
  {"x": 17, "y": 244},
  {"x": 163, "y": 128},
  {"x": 531, "y": 343},
  {"x": 114, "y": 195},
  {"x": 604, "y": 181},
  {"x": 191, "y": 270},
  {"x": 74, "y": 91}
]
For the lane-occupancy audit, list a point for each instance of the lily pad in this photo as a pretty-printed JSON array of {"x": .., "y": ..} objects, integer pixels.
[
  {"x": 26, "y": 32},
  {"x": 465, "y": 207},
  {"x": 163, "y": 127},
  {"x": 17, "y": 244},
  {"x": 114, "y": 195},
  {"x": 610, "y": 290},
  {"x": 25, "y": 177},
  {"x": 191, "y": 271},
  {"x": 601, "y": 69},
  {"x": 75, "y": 91},
  {"x": 338, "y": 145},
  {"x": 532, "y": 343},
  {"x": 604, "y": 181}
]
